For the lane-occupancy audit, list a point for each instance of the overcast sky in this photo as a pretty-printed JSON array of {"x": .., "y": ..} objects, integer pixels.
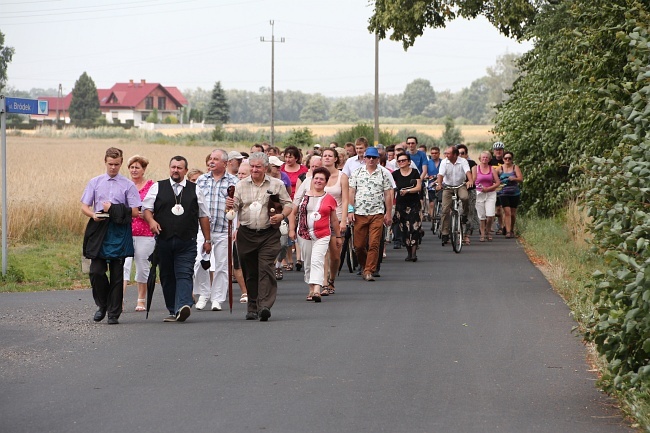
[{"x": 194, "y": 43}]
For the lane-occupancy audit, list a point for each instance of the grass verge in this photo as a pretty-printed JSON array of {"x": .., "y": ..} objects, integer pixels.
[
  {"x": 559, "y": 248},
  {"x": 44, "y": 265}
]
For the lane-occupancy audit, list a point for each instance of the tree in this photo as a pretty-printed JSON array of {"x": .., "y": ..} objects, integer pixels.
[
  {"x": 315, "y": 110},
  {"x": 153, "y": 116},
  {"x": 341, "y": 112},
  {"x": 451, "y": 135},
  {"x": 84, "y": 106},
  {"x": 417, "y": 96},
  {"x": 407, "y": 19},
  {"x": 6, "y": 55},
  {"x": 218, "y": 109}
]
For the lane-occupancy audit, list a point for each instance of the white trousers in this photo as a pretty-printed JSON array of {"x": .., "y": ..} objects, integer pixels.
[
  {"x": 313, "y": 255},
  {"x": 218, "y": 291},
  {"x": 485, "y": 204},
  {"x": 143, "y": 246}
]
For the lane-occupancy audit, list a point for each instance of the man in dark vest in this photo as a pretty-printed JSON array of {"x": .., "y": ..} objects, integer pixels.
[{"x": 174, "y": 208}]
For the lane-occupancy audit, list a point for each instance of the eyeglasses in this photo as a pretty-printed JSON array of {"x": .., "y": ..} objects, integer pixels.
[
  {"x": 507, "y": 158},
  {"x": 372, "y": 157},
  {"x": 462, "y": 153},
  {"x": 402, "y": 160},
  {"x": 411, "y": 142}
]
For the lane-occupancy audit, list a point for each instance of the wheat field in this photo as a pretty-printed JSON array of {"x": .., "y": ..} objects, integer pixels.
[{"x": 46, "y": 177}]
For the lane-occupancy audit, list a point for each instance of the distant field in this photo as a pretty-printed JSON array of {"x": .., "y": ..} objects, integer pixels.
[{"x": 472, "y": 133}]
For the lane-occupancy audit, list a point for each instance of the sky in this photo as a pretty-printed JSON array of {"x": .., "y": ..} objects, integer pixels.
[{"x": 327, "y": 48}]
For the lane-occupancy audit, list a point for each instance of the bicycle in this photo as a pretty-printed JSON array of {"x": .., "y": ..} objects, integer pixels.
[
  {"x": 437, "y": 210},
  {"x": 456, "y": 226}
]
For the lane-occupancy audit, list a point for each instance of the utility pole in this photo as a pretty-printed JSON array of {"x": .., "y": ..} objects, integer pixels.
[
  {"x": 376, "y": 89},
  {"x": 272, "y": 41},
  {"x": 58, "y": 102}
]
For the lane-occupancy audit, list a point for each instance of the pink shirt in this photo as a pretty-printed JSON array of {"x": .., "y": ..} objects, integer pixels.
[
  {"x": 293, "y": 177},
  {"x": 139, "y": 226}
]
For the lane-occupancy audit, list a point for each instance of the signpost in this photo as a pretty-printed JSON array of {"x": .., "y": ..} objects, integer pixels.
[{"x": 18, "y": 106}]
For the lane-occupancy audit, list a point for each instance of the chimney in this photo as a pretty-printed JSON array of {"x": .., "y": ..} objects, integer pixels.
[
  {"x": 130, "y": 83},
  {"x": 143, "y": 81}
]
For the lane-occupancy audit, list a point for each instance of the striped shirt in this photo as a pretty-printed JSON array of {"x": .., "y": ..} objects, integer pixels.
[{"x": 215, "y": 193}]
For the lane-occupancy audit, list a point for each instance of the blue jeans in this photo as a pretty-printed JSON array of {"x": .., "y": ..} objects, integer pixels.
[{"x": 177, "y": 271}]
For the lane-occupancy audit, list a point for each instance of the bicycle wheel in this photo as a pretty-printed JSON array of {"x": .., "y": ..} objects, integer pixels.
[
  {"x": 456, "y": 232},
  {"x": 435, "y": 225}
]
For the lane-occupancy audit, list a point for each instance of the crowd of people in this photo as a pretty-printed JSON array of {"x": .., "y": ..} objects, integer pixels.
[{"x": 275, "y": 214}]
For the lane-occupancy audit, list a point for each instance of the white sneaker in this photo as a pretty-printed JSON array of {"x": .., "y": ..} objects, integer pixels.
[
  {"x": 203, "y": 300},
  {"x": 216, "y": 306}
]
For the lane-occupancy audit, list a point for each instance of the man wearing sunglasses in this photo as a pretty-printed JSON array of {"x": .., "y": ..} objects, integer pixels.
[{"x": 371, "y": 198}]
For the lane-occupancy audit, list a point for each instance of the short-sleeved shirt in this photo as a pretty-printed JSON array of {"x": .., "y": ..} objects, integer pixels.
[
  {"x": 116, "y": 190},
  {"x": 150, "y": 198},
  {"x": 293, "y": 176},
  {"x": 419, "y": 158},
  {"x": 453, "y": 174},
  {"x": 247, "y": 193},
  {"x": 370, "y": 187},
  {"x": 405, "y": 182},
  {"x": 215, "y": 193},
  {"x": 432, "y": 168}
]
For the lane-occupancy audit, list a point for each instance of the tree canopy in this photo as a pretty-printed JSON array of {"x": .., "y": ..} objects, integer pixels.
[
  {"x": 407, "y": 19},
  {"x": 84, "y": 106},
  {"x": 218, "y": 108},
  {"x": 6, "y": 55}
]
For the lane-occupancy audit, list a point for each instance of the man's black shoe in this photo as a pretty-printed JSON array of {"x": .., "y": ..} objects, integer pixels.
[
  {"x": 113, "y": 321},
  {"x": 251, "y": 316},
  {"x": 99, "y": 315},
  {"x": 265, "y": 314},
  {"x": 445, "y": 239}
]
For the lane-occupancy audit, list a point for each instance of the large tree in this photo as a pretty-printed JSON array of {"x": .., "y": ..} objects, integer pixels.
[
  {"x": 417, "y": 96},
  {"x": 84, "y": 106},
  {"x": 407, "y": 19},
  {"x": 315, "y": 110},
  {"x": 218, "y": 108},
  {"x": 6, "y": 55}
]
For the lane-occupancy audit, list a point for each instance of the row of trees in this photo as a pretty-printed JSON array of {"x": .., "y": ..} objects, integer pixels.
[{"x": 419, "y": 102}]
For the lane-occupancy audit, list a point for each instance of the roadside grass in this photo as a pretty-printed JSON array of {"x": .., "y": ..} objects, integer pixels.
[
  {"x": 559, "y": 247},
  {"x": 44, "y": 265}
]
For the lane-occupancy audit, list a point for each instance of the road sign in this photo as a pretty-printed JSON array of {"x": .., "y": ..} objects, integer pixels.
[{"x": 27, "y": 106}]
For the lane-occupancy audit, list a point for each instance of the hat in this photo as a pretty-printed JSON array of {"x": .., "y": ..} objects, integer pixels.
[
  {"x": 372, "y": 151},
  {"x": 316, "y": 146},
  {"x": 275, "y": 161},
  {"x": 233, "y": 154}
]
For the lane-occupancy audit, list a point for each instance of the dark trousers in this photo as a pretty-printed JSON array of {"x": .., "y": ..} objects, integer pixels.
[
  {"x": 257, "y": 253},
  {"x": 176, "y": 258},
  {"x": 107, "y": 289}
]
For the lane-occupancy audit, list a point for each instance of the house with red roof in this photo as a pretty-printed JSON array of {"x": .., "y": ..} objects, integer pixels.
[{"x": 125, "y": 101}]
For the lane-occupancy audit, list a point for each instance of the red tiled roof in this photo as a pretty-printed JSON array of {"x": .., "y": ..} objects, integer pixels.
[{"x": 128, "y": 95}]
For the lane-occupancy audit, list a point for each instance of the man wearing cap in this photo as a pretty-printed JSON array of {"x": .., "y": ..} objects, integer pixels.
[
  {"x": 214, "y": 187},
  {"x": 234, "y": 161},
  {"x": 371, "y": 198}
]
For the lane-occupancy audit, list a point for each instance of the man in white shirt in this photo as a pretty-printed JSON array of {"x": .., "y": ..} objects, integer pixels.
[{"x": 452, "y": 172}]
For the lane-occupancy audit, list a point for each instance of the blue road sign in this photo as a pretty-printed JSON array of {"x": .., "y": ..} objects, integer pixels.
[{"x": 26, "y": 106}]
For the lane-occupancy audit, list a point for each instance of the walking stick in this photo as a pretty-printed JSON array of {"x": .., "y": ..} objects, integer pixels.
[{"x": 230, "y": 215}]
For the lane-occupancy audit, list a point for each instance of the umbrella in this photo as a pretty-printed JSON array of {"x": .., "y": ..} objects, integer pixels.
[
  {"x": 344, "y": 248},
  {"x": 231, "y": 194},
  {"x": 151, "y": 281}
]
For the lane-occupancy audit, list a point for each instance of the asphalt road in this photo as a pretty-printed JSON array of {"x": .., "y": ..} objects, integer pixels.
[{"x": 470, "y": 342}]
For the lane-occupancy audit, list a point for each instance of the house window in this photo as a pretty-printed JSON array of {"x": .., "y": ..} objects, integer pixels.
[
  {"x": 144, "y": 116},
  {"x": 148, "y": 103},
  {"x": 162, "y": 103},
  {"x": 113, "y": 99}
]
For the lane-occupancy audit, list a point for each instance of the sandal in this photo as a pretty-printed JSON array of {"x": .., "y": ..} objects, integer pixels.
[
  {"x": 310, "y": 297},
  {"x": 141, "y": 307},
  {"x": 466, "y": 240},
  {"x": 481, "y": 239},
  {"x": 278, "y": 274},
  {"x": 288, "y": 267},
  {"x": 489, "y": 238},
  {"x": 330, "y": 287},
  {"x": 243, "y": 299},
  {"x": 316, "y": 297},
  {"x": 325, "y": 291},
  {"x": 298, "y": 265},
  {"x": 510, "y": 235}
]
